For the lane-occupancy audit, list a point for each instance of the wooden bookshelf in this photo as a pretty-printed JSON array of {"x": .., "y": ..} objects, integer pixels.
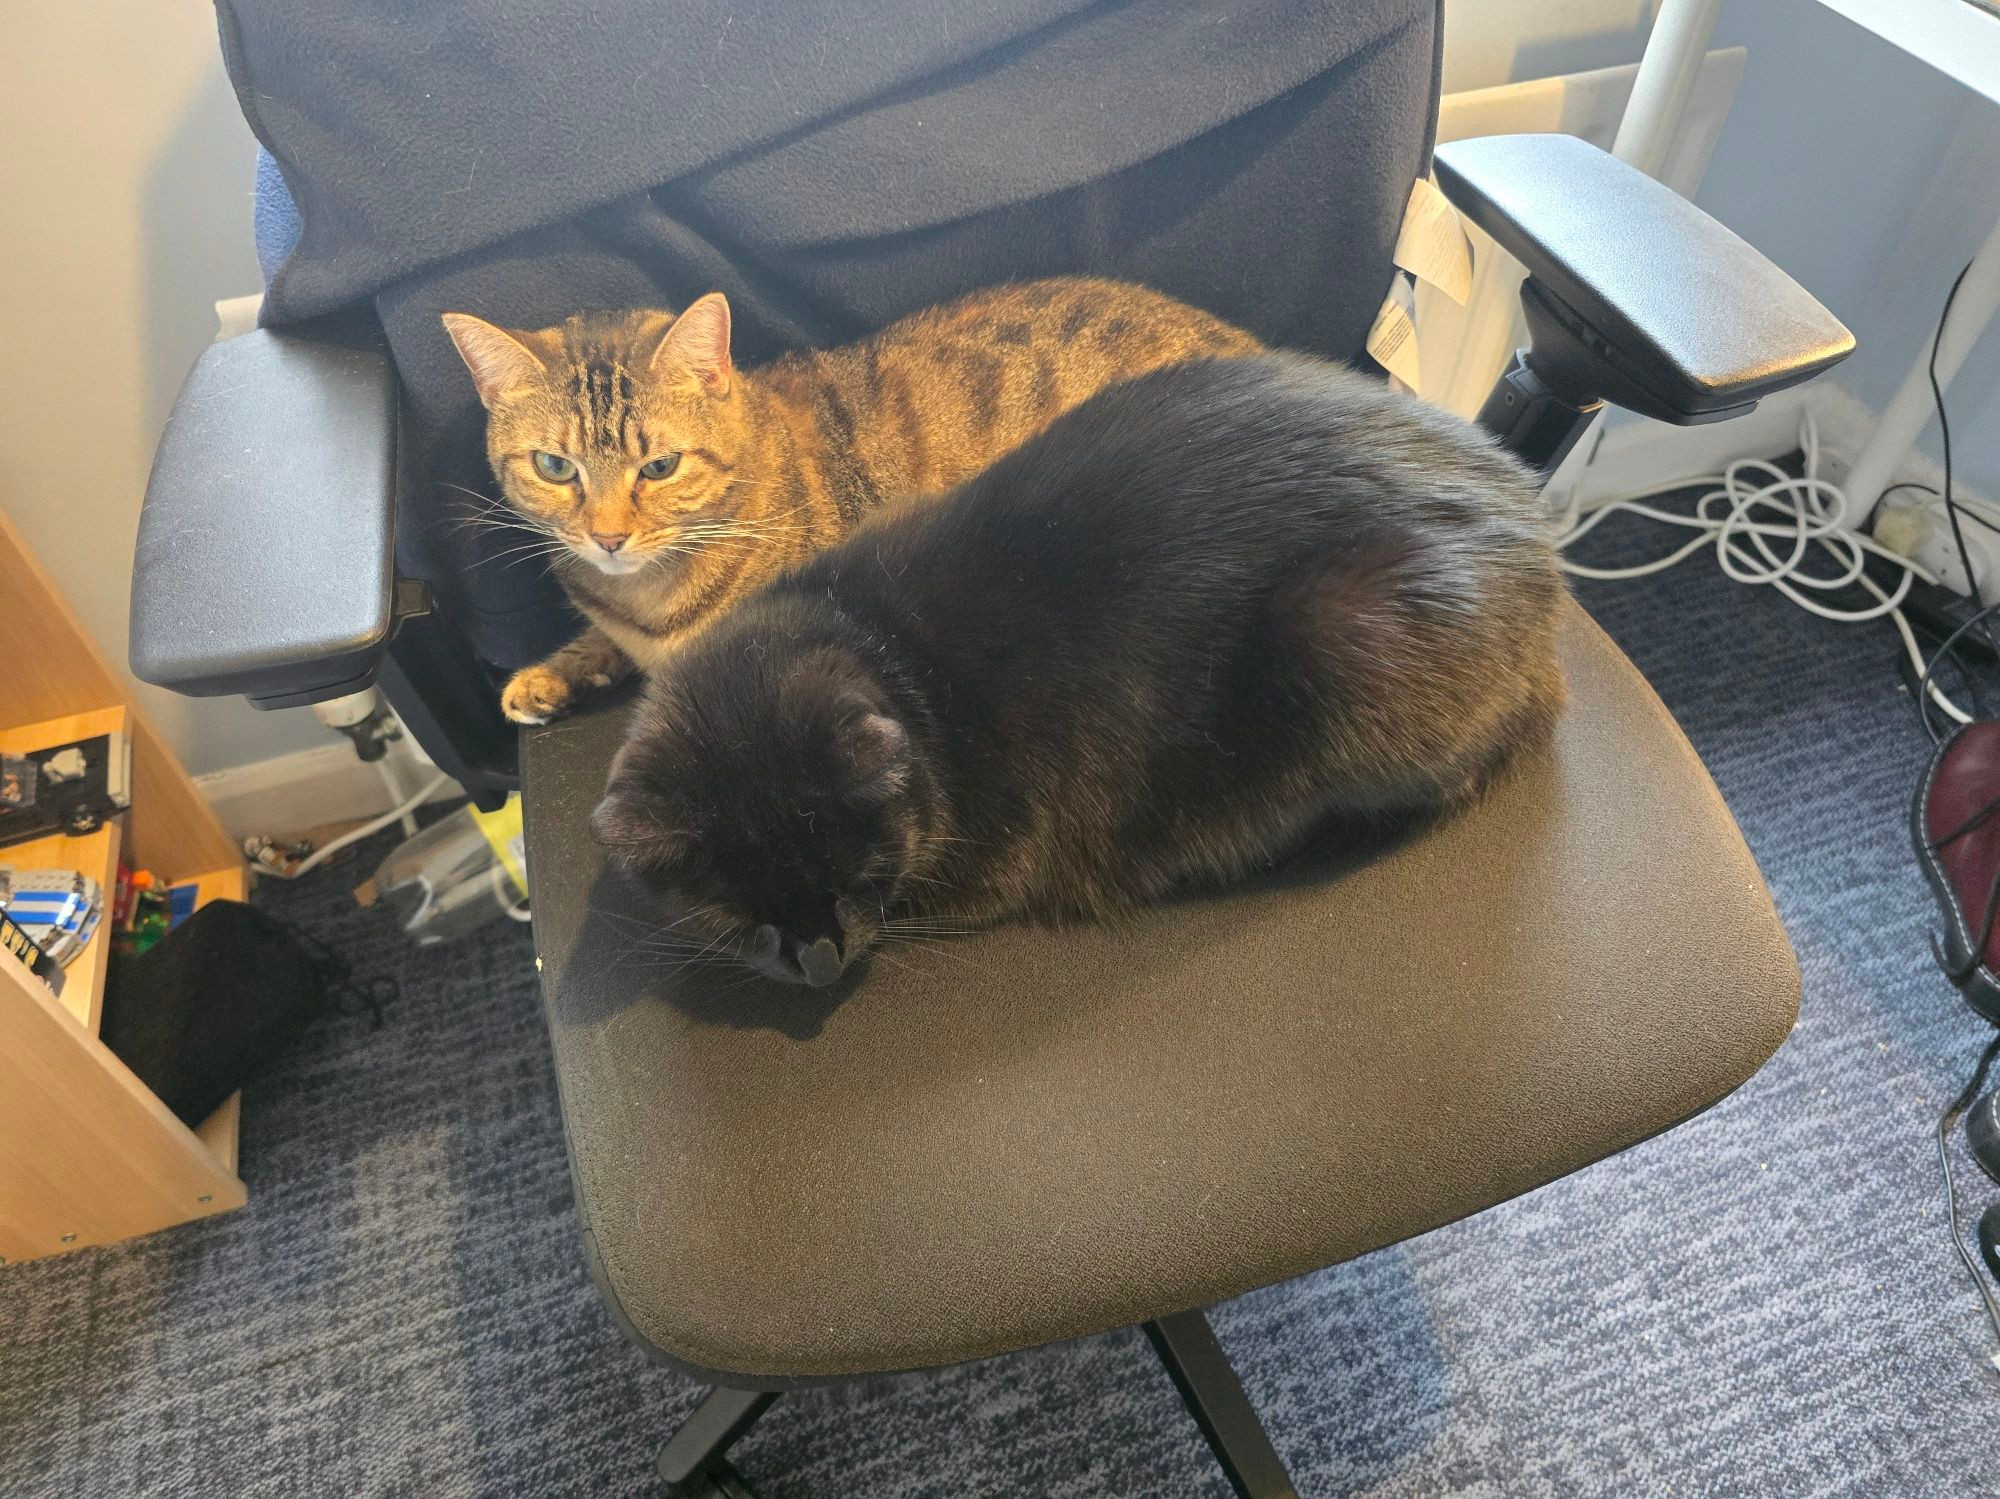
[
  {"x": 88, "y": 1155},
  {"x": 94, "y": 854}
]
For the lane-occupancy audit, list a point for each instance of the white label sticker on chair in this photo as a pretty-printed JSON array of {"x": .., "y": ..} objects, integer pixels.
[
  {"x": 1392, "y": 342},
  {"x": 1432, "y": 245}
]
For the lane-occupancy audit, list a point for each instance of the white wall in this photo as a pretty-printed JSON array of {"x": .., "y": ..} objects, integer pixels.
[
  {"x": 126, "y": 178},
  {"x": 1487, "y": 42},
  {"x": 1872, "y": 178},
  {"x": 1866, "y": 173}
]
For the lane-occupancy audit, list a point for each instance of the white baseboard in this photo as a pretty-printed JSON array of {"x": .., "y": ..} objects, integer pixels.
[{"x": 290, "y": 793}]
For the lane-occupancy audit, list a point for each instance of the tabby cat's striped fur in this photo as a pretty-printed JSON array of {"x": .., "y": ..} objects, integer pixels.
[{"x": 675, "y": 484}]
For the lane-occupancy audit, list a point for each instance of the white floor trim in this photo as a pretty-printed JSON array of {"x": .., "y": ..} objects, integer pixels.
[{"x": 290, "y": 793}]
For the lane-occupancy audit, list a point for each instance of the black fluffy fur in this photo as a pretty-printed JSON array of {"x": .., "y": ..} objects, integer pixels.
[{"x": 1206, "y": 618}]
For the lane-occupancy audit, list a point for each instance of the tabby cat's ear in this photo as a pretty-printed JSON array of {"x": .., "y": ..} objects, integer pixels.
[
  {"x": 698, "y": 344},
  {"x": 500, "y": 362}
]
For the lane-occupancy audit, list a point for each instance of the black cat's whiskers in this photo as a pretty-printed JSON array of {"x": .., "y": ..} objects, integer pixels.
[
  {"x": 654, "y": 924},
  {"x": 642, "y": 952},
  {"x": 746, "y": 978},
  {"x": 940, "y": 941},
  {"x": 910, "y": 921},
  {"x": 936, "y": 935},
  {"x": 929, "y": 946},
  {"x": 658, "y": 939}
]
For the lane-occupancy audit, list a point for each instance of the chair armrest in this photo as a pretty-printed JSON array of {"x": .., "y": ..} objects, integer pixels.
[
  {"x": 1636, "y": 296},
  {"x": 266, "y": 555}
]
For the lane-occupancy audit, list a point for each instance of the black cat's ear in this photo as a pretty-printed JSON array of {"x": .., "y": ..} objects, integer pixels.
[
  {"x": 501, "y": 362},
  {"x": 698, "y": 344},
  {"x": 626, "y": 824},
  {"x": 874, "y": 749},
  {"x": 839, "y": 705}
]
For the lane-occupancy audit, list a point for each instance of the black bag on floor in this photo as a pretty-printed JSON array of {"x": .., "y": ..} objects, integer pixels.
[{"x": 214, "y": 1000}]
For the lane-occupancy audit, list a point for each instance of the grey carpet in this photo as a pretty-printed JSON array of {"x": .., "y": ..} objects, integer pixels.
[{"x": 1760, "y": 1303}]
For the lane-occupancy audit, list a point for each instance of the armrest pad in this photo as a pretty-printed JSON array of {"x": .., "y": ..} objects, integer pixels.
[
  {"x": 266, "y": 556},
  {"x": 1684, "y": 321}
]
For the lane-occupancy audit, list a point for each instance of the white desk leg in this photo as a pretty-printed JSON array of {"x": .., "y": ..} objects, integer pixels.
[
  {"x": 1666, "y": 77},
  {"x": 1911, "y": 407}
]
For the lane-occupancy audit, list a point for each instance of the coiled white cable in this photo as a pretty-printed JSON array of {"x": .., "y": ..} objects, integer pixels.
[{"x": 1732, "y": 520}]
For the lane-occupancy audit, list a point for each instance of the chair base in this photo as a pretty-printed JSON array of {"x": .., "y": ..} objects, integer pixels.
[
  {"x": 694, "y": 1464},
  {"x": 693, "y": 1461},
  {"x": 1214, "y": 1396},
  {"x": 721, "y": 1482}
]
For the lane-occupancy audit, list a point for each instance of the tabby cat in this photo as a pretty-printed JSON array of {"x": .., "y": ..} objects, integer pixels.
[
  {"x": 675, "y": 483},
  {"x": 1207, "y": 618}
]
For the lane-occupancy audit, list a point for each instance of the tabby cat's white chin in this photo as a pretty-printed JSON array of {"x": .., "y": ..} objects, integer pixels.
[{"x": 615, "y": 564}]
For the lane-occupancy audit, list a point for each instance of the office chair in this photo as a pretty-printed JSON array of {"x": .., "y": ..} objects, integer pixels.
[{"x": 1027, "y": 1135}]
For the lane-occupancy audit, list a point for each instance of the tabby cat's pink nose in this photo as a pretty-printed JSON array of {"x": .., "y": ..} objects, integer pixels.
[{"x": 611, "y": 541}]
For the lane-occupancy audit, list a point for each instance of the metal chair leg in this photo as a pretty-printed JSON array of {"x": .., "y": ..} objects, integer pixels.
[
  {"x": 1214, "y": 1397},
  {"x": 692, "y": 1461}
]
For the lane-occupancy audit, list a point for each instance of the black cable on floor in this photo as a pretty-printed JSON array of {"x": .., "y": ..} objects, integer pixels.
[
  {"x": 1952, "y": 509},
  {"x": 1940, "y": 654}
]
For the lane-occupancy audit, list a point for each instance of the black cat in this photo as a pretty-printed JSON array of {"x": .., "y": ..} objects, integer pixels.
[{"x": 1204, "y": 618}]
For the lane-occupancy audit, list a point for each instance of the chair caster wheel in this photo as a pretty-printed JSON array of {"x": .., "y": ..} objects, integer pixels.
[{"x": 720, "y": 1482}]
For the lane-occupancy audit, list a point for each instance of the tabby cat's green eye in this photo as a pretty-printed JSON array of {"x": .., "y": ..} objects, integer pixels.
[
  {"x": 660, "y": 467},
  {"x": 555, "y": 468}
]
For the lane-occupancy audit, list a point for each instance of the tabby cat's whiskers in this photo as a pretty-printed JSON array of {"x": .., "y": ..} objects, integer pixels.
[{"x": 542, "y": 548}]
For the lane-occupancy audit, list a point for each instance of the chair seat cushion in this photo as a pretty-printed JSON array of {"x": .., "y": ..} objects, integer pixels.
[{"x": 1030, "y": 1134}]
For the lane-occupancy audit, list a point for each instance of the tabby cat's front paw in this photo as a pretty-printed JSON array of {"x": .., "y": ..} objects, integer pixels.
[{"x": 536, "y": 694}]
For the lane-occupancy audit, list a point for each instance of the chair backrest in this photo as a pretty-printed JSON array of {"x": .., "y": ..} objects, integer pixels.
[{"x": 830, "y": 167}]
